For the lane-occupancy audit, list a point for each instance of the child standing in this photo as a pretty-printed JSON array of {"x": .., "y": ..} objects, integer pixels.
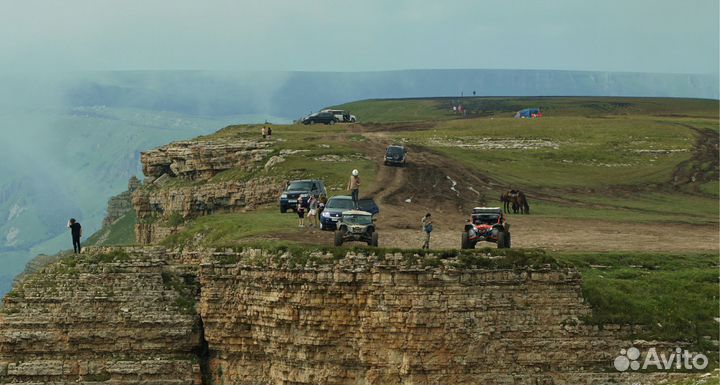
[{"x": 301, "y": 214}]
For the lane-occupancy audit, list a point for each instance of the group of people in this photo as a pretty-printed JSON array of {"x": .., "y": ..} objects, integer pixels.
[{"x": 314, "y": 208}]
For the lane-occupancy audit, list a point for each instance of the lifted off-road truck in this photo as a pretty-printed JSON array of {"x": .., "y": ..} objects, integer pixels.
[
  {"x": 356, "y": 225},
  {"x": 486, "y": 224}
]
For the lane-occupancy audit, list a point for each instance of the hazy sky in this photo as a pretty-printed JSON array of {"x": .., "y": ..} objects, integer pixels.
[{"x": 351, "y": 35}]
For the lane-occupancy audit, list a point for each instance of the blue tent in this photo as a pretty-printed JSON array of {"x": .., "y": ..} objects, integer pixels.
[{"x": 528, "y": 113}]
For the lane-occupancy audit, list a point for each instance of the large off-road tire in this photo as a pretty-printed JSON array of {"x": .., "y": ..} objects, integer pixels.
[
  {"x": 464, "y": 242},
  {"x": 338, "y": 238},
  {"x": 501, "y": 240},
  {"x": 374, "y": 239},
  {"x": 507, "y": 239}
]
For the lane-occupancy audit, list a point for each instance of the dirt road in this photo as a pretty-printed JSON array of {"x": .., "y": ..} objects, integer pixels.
[{"x": 433, "y": 183}]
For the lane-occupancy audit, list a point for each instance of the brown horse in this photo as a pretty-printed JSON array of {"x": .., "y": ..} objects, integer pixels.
[
  {"x": 515, "y": 199},
  {"x": 506, "y": 198}
]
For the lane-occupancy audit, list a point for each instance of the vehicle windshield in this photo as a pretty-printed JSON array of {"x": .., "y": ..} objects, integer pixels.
[
  {"x": 300, "y": 186},
  {"x": 339, "y": 204},
  {"x": 394, "y": 151},
  {"x": 485, "y": 219},
  {"x": 357, "y": 219}
]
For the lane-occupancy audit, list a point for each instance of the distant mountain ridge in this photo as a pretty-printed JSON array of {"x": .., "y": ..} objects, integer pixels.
[{"x": 292, "y": 94}]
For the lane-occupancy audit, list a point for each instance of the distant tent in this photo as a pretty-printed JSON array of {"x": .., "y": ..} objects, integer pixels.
[{"x": 528, "y": 113}]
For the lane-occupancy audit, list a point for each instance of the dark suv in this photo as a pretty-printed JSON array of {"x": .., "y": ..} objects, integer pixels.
[
  {"x": 298, "y": 191},
  {"x": 395, "y": 154},
  {"x": 324, "y": 117}
]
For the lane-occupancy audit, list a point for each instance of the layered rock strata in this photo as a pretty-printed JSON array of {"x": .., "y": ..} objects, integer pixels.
[
  {"x": 117, "y": 317},
  {"x": 195, "y": 163},
  {"x": 199, "y": 160},
  {"x": 146, "y": 315},
  {"x": 121, "y": 204}
]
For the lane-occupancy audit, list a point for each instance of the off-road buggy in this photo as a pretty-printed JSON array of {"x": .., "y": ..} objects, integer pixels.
[
  {"x": 486, "y": 224},
  {"x": 356, "y": 225}
]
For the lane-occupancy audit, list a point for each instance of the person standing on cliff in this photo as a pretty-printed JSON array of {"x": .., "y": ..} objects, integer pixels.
[
  {"x": 354, "y": 187},
  {"x": 269, "y": 132},
  {"x": 427, "y": 229},
  {"x": 263, "y": 131},
  {"x": 76, "y": 232}
]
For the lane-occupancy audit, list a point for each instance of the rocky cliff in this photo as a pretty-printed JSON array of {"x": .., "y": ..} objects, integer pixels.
[
  {"x": 182, "y": 185},
  {"x": 121, "y": 204},
  {"x": 277, "y": 317},
  {"x": 109, "y": 316}
]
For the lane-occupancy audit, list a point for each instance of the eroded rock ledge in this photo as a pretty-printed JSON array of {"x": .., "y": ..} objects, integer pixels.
[
  {"x": 180, "y": 184},
  {"x": 256, "y": 316}
]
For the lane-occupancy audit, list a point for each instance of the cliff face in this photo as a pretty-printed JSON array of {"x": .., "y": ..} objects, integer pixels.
[
  {"x": 259, "y": 317},
  {"x": 114, "y": 316},
  {"x": 201, "y": 160},
  {"x": 120, "y": 204},
  {"x": 181, "y": 185},
  {"x": 384, "y": 325}
]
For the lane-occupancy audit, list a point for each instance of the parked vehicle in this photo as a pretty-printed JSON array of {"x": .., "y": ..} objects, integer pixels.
[
  {"x": 395, "y": 155},
  {"x": 358, "y": 226},
  {"x": 342, "y": 115},
  {"x": 298, "y": 192},
  {"x": 486, "y": 224},
  {"x": 323, "y": 117},
  {"x": 336, "y": 205}
]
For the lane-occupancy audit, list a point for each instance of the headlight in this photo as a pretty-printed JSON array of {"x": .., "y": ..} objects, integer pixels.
[
  {"x": 283, "y": 196},
  {"x": 325, "y": 214}
]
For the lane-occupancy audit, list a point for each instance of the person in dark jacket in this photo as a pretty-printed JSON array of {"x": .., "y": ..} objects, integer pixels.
[{"x": 76, "y": 232}]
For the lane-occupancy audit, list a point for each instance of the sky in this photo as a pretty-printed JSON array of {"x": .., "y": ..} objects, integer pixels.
[{"x": 349, "y": 35}]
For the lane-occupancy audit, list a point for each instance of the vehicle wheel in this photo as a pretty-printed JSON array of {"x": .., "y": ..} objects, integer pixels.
[
  {"x": 464, "y": 244},
  {"x": 338, "y": 238},
  {"x": 507, "y": 240},
  {"x": 501, "y": 240},
  {"x": 374, "y": 239},
  {"x": 332, "y": 122},
  {"x": 321, "y": 226},
  {"x": 283, "y": 209},
  {"x": 312, "y": 122}
]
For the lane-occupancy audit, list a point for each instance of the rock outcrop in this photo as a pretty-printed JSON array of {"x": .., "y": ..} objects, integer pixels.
[
  {"x": 121, "y": 204},
  {"x": 194, "y": 164},
  {"x": 201, "y": 160},
  {"x": 138, "y": 315}
]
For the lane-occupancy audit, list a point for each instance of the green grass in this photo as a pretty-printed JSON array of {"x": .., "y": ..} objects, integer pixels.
[
  {"x": 711, "y": 188},
  {"x": 675, "y": 297},
  {"x": 638, "y": 207},
  {"x": 616, "y": 168},
  {"x": 422, "y": 109},
  {"x": 121, "y": 232},
  {"x": 585, "y": 152},
  {"x": 228, "y": 229}
]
